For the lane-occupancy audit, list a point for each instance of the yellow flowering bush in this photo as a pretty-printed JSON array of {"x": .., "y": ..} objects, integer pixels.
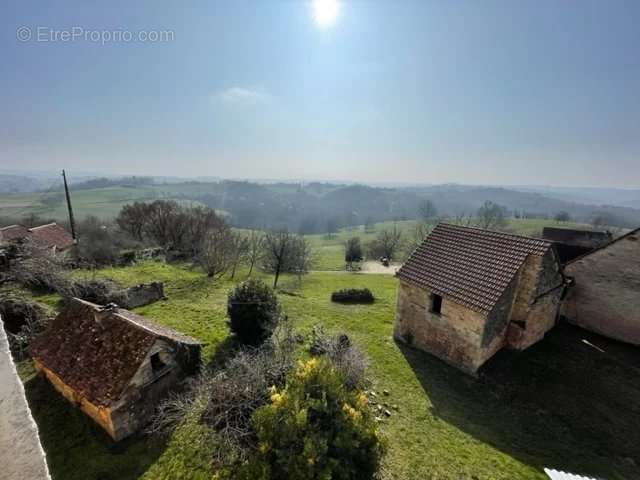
[{"x": 315, "y": 429}]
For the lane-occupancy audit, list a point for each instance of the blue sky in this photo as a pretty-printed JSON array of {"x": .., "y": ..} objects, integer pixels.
[{"x": 492, "y": 92}]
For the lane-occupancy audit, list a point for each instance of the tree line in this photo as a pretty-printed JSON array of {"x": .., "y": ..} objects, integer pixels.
[{"x": 199, "y": 233}]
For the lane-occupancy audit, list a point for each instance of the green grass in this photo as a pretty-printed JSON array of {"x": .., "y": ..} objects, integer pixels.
[
  {"x": 329, "y": 249},
  {"x": 561, "y": 404},
  {"x": 103, "y": 203}
]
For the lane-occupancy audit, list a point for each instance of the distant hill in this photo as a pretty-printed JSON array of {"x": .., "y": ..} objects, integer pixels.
[{"x": 315, "y": 207}]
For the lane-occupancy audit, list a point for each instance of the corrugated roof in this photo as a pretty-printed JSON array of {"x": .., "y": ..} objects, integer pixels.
[
  {"x": 469, "y": 265},
  {"x": 97, "y": 351}
]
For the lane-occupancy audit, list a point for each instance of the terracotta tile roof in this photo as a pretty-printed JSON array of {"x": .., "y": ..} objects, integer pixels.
[
  {"x": 470, "y": 266},
  {"x": 51, "y": 235},
  {"x": 96, "y": 350},
  {"x": 13, "y": 232}
]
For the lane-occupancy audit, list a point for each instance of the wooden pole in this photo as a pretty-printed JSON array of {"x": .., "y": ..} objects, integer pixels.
[{"x": 71, "y": 220}]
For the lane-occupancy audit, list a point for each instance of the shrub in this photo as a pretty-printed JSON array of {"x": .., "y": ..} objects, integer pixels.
[
  {"x": 344, "y": 355},
  {"x": 23, "y": 321},
  {"x": 315, "y": 428},
  {"x": 225, "y": 399},
  {"x": 353, "y": 295},
  {"x": 253, "y": 312}
]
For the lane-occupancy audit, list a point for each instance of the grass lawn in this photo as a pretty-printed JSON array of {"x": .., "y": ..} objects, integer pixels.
[
  {"x": 562, "y": 404},
  {"x": 329, "y": 250}
]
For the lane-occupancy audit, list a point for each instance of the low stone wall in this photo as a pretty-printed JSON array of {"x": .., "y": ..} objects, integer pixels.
[
  {"x": 21, "y": 455},
  {"x": 144, "y": 294}
]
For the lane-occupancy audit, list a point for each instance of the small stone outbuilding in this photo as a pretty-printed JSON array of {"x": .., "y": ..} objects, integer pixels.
[
  {"x": 465, "y": 293},
  {"x": 113, "y": 364},
  {"x": 604, "y": 292}
]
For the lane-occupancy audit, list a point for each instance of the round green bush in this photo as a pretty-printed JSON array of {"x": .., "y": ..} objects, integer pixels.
[
  {"x": 253, "y": 311},
  {"x": 315, "y": 429}
]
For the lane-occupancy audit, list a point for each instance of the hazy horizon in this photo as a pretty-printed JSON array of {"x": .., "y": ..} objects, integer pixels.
[{"x": 412, "y": 92}]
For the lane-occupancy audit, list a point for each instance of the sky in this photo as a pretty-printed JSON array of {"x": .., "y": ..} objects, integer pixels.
[{"x": 476, "y": 92}]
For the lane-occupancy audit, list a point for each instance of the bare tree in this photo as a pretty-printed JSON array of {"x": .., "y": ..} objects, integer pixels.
[
  {"x": 216, "y": 251},
  {"x": 240, "y": 251},
  {"x": 301, "y": 257},
  {"x": 285, "y": 252},
  {"x": 132, "y": 219},
  {"x": 417, "y": 236},
  {"x": 161, "y": 222},
  {"x": 277, "y": 249},
  {"x": 492, "y": 216},
  {"x": 427, "y": 211},
  {"x": 255, "y": 248},
  {"x": 199, "y": 221},
  {"x": 387, "y": 243}
]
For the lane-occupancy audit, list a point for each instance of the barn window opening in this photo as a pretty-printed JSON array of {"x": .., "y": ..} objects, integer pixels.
[
  {"x": 436, "y": 303},
  {"x": 157, "y": 365}
]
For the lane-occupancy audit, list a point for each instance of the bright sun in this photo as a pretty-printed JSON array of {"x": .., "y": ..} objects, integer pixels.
[{"x": 325, "y": 12}]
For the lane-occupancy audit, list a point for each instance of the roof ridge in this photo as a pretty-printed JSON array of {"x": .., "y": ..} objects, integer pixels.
[
  {"x": 497, "y": 232},
  {"x": 42, "y": 226}
]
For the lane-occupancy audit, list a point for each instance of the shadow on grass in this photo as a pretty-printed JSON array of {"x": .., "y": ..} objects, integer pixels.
[
  {"x": 77, "y": 448},
  {"x": 563, "y": 403}
]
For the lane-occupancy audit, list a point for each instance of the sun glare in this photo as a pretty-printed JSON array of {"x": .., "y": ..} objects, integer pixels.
[{"x": 325, "y": 12}]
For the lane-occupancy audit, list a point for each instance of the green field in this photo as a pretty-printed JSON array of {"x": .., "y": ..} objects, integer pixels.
[
  {"x": 329, "y": 250},
  {"x": 562, "y": 404},
  {"x": 103, "y": 203}
]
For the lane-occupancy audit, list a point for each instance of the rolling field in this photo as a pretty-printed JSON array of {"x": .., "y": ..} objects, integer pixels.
[
  {"x": 561, "y": 404},
  {"x": 103, "y": 203}
]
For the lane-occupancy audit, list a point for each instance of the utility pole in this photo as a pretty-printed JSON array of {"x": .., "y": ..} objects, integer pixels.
[{"x": 71, "y": 220}]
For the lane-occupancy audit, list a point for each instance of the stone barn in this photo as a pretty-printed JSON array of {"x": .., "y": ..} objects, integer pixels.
[
  {"x": 604, "y": 291},
  {"x": 112, "y": 364},
  {"x": 465, "y": 293},
  {"x": 571, "y": 243}
]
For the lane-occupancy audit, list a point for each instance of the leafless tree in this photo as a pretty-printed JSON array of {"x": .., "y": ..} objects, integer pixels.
[
  {"x": 492, "y": 216},
  {"x": 417, "y": 235},
  {"x": 301, "y": 258},
  {"x": 255, "y": 248},
  {"x": 216, "y": 251},
  {"x": 240, "y": 251},
  {"x": 200, "y": 220},
  {"x": 161, "y": 222},
  {"x": 286, "y": 252},
  {"x": 427, "y": 211},
  {"x": 132, "y": 219},
  {"x": 387, "y": 243}
]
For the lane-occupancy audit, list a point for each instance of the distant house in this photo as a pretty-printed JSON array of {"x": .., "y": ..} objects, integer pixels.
[
  {"x": 50, "y": 236},
  {"x": 571, "y": 243},
  {"x": 465, "y": 293},
  {"x": 604, "y": 292},
  {"x": 113, "y": 364}
]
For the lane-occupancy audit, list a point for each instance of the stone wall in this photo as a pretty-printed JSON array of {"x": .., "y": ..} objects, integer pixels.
[
  {"x": 605, "y": 297},
  {"x": 537, "y": 301},
  {"x": 21, "y": 455},
  {"x": 455, "y": 335},
  {"x": 101, "y": 415},
  {"x": 144, "y": 294}
]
